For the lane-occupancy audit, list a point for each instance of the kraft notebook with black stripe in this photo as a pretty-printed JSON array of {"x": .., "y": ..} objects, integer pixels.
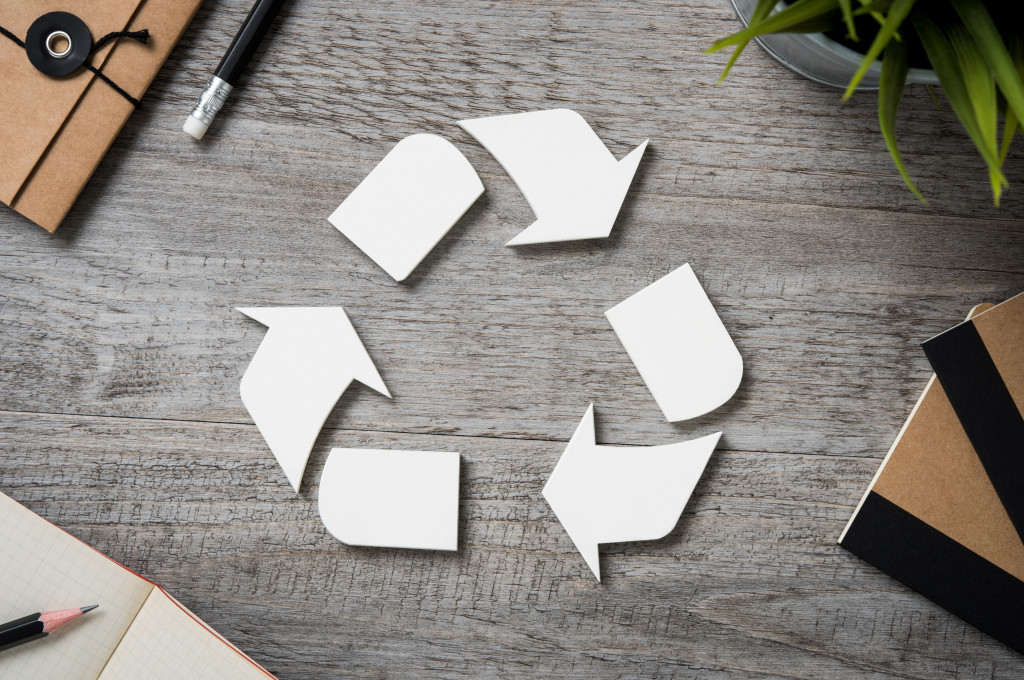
[{"x": 945, "y": 512}]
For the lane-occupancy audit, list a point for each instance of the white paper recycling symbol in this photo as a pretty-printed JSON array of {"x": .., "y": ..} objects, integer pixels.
[{"x": 600, "y": 494}]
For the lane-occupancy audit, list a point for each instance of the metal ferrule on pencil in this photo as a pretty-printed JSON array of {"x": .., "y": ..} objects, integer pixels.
[{"x": 211, "y": 101}]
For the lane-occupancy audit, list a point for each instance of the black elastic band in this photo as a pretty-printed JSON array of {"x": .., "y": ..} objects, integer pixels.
[
  {"x": 986, "y": 411},
  {"x": 142, "y": 36}
]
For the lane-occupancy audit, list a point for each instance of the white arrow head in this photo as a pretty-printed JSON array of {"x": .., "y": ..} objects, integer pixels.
[
  {"x": 570, "y": 179},
  {"x": 306, "y": 361},
  {"x": 614, "y": 494}
]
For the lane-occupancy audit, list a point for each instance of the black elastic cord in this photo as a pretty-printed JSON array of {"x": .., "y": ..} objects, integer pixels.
[
  {"x": 18, "y": 41},
  {"x": 142, "y": 36},
  {"x": 135, "y": 102}
]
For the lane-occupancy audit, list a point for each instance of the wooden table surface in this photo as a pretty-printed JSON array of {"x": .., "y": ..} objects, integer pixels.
[{"x": 121, "y": 354}]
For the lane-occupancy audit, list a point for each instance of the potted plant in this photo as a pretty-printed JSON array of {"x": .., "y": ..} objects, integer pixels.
[{"x": 974, "y": 49}]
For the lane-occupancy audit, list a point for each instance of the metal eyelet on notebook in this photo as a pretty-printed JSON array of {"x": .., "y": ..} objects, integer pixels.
[{"x": 54, "y": 39}]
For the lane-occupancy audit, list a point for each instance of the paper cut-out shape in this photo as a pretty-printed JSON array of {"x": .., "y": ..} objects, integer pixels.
[
  {"x": 307, "y": 359},
  {"x": 570, "y": 179},
  {"x": 392, "y": 499},
  {"x": 615, "y": 494},
  {"x": 408, "y": 203},
  {"x": 673, "y": 334}
]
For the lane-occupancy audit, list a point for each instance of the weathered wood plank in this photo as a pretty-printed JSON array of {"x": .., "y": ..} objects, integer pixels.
[{"x": 491, "y": 341}]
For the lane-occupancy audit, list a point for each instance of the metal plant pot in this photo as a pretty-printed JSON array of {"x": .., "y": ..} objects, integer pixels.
[{"x": 818, "y": 57}]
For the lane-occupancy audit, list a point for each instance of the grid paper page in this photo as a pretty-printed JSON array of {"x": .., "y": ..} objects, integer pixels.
[
  {"x": 165, "y": 643},
  {"x": 43, "y": 569}
]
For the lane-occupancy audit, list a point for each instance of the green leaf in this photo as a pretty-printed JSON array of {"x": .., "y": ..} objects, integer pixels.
[
  {"x": 981, "y": 91},
  {"x": 732, "y": 60},
  {"x": 944, "y": 60},
  {"x": 847, "y": 8},
  {"x": 978, "y": 81},
  {"x": 867, "y": 7},
  {"x": 876, "y": 10},
  {"x": 897, "y": 13},
  {"x": 795, "y": 14},
  {"x": 890, "y": 93},
  {"x": 979, "y": 23},
  {"x": 761, "y": 10}
]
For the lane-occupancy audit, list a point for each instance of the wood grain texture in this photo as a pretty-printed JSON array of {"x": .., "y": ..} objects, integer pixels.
[{"x": 120, "y": 352}]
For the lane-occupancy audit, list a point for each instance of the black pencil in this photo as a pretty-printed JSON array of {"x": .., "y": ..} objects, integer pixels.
[
  {"x": 231, "y": 66},
  {"x": 38, "y": 625}
]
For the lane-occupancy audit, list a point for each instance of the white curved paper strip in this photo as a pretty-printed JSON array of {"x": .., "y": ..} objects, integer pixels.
[
  {"x": 673, "y": 334},
  {"x": 614, "y": 494},
  {"x": 392, "y": 499},
  {"x": 573, "y": 183},
  {"x": 307, "y": 359},
  {"x": 400, "y": 211}
]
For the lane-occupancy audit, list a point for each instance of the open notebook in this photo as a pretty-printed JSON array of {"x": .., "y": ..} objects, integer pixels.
[{"x": 139, "y": 631}]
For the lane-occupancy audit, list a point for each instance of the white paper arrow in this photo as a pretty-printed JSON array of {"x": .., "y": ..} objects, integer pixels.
[
  {"x": 573, "y": 183},
  {"x": 673, "y": 334},
  {"x": 306, "y": 361},
  {"x": 392, "y": 499},
  {"x": 614, "y": 494},
  {"x": 408, "y": 203}
]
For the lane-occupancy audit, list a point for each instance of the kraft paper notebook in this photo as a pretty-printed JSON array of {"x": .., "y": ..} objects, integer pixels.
[
  {"x": 55, "y": 130},
  {"x": 934, "y": 516},
  {"x": 139, "y": 631}
]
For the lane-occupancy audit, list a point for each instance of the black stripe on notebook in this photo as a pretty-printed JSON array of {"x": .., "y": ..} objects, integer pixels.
[
  {"x": 939, "y": 568},
  {"x": 985, "y": 409}
]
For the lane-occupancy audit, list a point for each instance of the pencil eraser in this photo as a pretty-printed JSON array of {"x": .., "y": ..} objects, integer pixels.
[{"x": 195, "y": 127}]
